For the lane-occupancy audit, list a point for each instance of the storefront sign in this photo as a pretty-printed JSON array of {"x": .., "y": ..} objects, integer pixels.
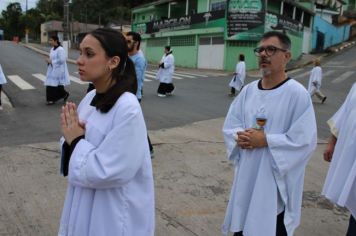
[
  {"x": 245, "y": 19},
  {"x": 282, "y": 23},
  {"x": 180, "y": 23}
]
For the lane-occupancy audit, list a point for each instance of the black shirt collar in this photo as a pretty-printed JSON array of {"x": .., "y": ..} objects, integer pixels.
[{"x": 277, "y": 86}]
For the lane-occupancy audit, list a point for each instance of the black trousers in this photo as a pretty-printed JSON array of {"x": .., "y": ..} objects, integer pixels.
[
  {"x": 280, "y": 230},
  {"x": 233, "y": 90},
  {"x": 53, "y": 94},
  {"x": 164, "y": 88},
  {"x": 351, "y": 231},
  {"x": 148, "y": 137}
]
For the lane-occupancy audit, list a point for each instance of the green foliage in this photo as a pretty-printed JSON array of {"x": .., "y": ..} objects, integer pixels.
[
  {"x": 11, "y": 20},
  {"x": 14, "y": 21}
]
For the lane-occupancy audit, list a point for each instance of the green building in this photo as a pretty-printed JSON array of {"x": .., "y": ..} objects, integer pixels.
[{"x": 212, "y": 33}]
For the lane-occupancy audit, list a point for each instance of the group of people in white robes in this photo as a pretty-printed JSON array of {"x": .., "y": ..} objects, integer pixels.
[{"x": 270, "y": 134}]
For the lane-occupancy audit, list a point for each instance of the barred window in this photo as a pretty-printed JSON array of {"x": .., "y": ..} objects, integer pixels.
[
  {"x": 157, "y": 42},
  {"x": 251, "y": 44},
  {"x": 183, "y": 41}
]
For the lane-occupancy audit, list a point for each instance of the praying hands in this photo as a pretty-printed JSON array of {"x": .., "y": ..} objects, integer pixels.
[
  {"x": 70, "y": 125},
  {"x": 251, "y": 138}
]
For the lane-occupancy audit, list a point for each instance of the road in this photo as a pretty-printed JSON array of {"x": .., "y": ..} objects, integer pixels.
[{"x": 200, "y": 95}]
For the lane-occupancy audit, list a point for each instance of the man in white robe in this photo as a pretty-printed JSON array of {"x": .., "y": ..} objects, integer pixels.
[
  {"x": 270, "y": 133},
  {"x": 314, "y": 85},
  {"x": 238, "y": 80},
  {"x": 340, "y": 183}
]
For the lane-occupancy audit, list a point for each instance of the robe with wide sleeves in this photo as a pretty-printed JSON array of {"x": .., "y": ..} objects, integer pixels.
[
  {"x": 314, "y": 84},
  {"x": 165, "y": 74},
  {"x": 239, "y": 79},
  {"x": 340, "y": 183},
  {"x": 110, "y": 182},
  {"x": 57, "y": 71},
  {"x": 2, "y": 77},
  {"x": 269, "y": 180}
]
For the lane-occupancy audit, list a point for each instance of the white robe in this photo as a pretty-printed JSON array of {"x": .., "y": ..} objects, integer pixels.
[
  {"x": 110, "y": 182},
  {"x": 2, "y": 77},
  {"x": 340, "y": 183},
  {"x": 262, "y": 174},
  {"x": 57, "y": 71},
  {"x": 315, "y": 78},
  {"x": 165, "y": 75},
  {"x": 239, "y": 79}
]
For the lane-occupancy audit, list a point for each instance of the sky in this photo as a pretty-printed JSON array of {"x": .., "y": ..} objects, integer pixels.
[{"x": 4, "y": 3}]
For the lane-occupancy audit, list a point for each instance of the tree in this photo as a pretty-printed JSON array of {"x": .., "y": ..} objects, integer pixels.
[
  {"x": 12, "y": 23},
  {"x": 32, "y": 21}
]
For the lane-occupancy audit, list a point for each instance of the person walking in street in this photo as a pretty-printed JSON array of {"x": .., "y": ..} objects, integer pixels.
[
  {"x": 238, "y": 80},
  {"x": 165, "y": 73},
  {"x": 340, "y": 183},
  {"x": 57, "y": 73},
  {"x": 133, "y": 40},
  {"x": 104, "y": 146},
  {"x": 270, "y": 134},
  {"x": 2, "y": 81},
  {"x": 316, "y": 75}
]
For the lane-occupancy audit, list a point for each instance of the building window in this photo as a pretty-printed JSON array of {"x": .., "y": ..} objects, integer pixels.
[
  {"x": 183, "y": 41},
  {"x": 158, "y": 42},
  {"x": 250, "y": 44},
  {"x": 215, "y": 6}
]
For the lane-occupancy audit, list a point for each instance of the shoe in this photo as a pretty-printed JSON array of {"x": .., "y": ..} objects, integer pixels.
[
  {"x": 152, "y": 154},
  {"x": 322, "y": 101},
  {"x": 1, "y": 108},
  {"x": 161, "y": 95},
  {"x": 49, "y": 103},
  {"x": 65, "y": 97},
  {"x": 171, "y": 93}
]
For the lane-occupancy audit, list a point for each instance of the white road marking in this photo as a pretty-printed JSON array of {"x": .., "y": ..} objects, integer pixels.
[
  {"x": 19, "y": 82},
  {"x": 343, "y": 77},
  {"x": 39, "y": 76}
]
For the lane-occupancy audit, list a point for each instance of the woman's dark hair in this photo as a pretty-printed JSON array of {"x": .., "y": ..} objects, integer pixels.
[
  {"x": 56, "y": 39},
  {"x": 124, "y": 75}
]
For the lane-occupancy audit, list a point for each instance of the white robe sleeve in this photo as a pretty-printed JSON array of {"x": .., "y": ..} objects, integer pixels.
[
  {"x": 338, "y": 119},
  {"x": 119, "y": 156},
  {"x": 293, "y": 148},
  {"x": 59, "y": 57},
  {"x": 168, "y": 61},
  {"x": 234, "y": 122}
]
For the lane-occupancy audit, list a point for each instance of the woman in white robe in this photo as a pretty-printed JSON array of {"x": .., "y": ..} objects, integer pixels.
[
  {"x": 314, "y": 85},
  {"x": 57, "y": 73},
  {"x": 105, "y": 151},
  {"x": 165, "y": 73},
  {"x": 340, "y": 183},
  {"x": 238, "y": 81},
  {"x": 2, "y": 81}
]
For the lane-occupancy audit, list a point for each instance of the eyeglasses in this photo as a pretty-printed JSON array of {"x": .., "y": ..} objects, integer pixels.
[
  {"x": 130, "y": 41},
  {"x": 269, "y": 50}
]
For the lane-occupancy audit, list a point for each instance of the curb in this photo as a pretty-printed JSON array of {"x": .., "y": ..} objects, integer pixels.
[{"x": 45, "y": 53}]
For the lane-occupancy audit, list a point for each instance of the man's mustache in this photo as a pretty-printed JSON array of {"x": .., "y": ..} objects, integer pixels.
[{"x": 264, "y": 61}]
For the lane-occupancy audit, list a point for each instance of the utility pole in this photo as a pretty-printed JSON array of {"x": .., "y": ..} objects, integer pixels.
[
  {"x": 66, "y": 41},
  {"x": 26, "y": 28}
]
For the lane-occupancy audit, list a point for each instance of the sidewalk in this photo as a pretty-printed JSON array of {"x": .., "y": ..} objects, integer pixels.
[{"x": 192, "y": 186}]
